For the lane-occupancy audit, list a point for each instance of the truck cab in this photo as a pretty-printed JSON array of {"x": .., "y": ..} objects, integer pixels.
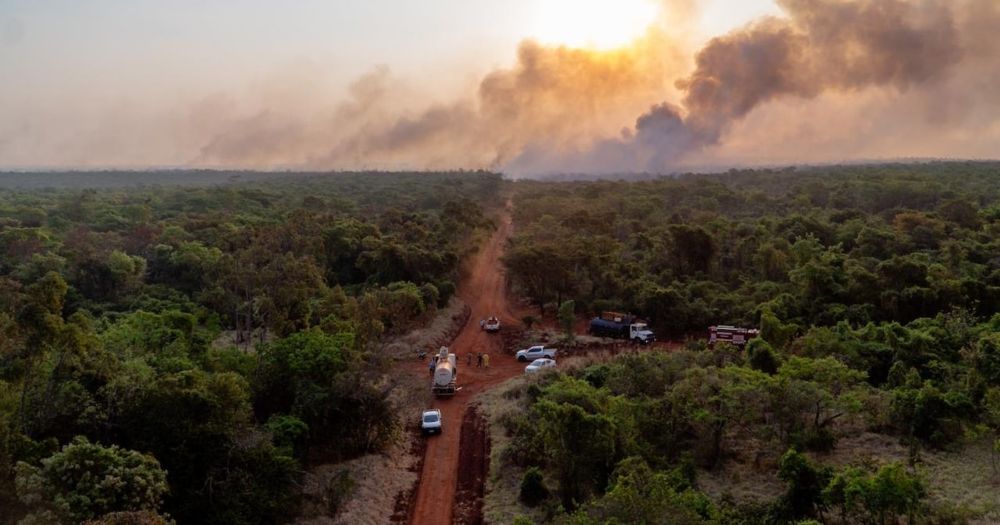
[
  {"x": 621, "y": 326},
  {"x": 640, "y": 333},
  {"x": 491, "y": 325}
]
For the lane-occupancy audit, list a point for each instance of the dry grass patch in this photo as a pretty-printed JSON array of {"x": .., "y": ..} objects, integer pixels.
[
  {"x": 439, "y": 332},
  {"x": 960, "y": 479},
  {"x": 500, "y": 502},
  {"x": 965, "y": 479}
]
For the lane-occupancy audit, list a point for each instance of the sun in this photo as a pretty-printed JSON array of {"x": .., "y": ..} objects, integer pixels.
[{"x": 599, "y": 24}]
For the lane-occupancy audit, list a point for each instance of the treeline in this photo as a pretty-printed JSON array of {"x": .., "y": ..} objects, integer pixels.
[
  {"x": 185, "y": 351},
  {"x": 160, "y": 178},
  {"x": 876, "y": 291},
  {"x": 816, "y": 246}
]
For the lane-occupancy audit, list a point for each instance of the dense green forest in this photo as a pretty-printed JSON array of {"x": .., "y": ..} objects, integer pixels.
[
  {"x": 877, "y": 292},
  {"x": 186, "y": 351}
]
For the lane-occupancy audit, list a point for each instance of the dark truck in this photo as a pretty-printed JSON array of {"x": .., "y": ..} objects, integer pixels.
[{"x": 621, "y": 326}]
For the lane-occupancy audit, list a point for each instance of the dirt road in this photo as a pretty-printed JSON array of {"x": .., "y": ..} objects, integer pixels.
[{"x": 485, "y": 291}]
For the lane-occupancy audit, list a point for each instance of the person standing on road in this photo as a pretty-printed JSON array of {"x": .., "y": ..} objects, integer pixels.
[
  {"x": 486, "y": 360},
  {"x": 479, "y": 360}
]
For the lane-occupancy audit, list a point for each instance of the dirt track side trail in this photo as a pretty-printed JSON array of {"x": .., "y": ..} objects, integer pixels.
[{"x": 485, "y": 291}]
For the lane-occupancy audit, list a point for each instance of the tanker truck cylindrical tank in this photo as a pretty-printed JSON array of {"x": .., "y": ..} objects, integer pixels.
[{"x": 444, "y": 374}]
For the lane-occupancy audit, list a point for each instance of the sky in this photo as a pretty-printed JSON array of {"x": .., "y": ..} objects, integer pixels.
[
  {"x": 188, "y": 44},
  {"x": 265, "y": 84}
]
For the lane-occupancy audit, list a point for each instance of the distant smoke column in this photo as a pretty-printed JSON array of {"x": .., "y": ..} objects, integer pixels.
[{"x": 822, "y": 45}]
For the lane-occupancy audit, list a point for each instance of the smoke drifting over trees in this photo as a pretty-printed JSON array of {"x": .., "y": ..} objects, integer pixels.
[
  {"x": 828, "y": 80},
  {"x": 554, "y": 110},
  {"x": 823, "y": 45},
  {"x": 554, "y": 98}
]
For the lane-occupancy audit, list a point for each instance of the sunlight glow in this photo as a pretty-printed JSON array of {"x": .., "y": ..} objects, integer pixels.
[{"x": 598, "y": 24}]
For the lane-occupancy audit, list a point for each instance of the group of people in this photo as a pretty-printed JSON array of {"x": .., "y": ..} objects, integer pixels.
[{"x": 482, "y": 360}]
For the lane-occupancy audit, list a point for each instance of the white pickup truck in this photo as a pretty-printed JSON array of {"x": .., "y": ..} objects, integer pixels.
[
  {"x": 491, "y": 325},
  {"x": 536, "y": 352}
]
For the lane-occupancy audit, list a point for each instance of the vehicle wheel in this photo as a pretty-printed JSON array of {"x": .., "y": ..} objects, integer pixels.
[{"x": 522, "y": 359}]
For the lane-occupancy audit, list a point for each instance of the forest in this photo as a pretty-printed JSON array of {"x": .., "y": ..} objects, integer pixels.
[
  {"x": 181, "y": 352},
  {"x": 184, "y": 351},
  {"x": 877, "y": 293}
]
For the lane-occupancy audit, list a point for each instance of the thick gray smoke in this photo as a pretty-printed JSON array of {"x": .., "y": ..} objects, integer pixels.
[
  {"x": 822, "y": 46},
  {"x": 929, "y": 55},
  {"x": 828, "y": 80},
  {"x": 553, "y": 99}
]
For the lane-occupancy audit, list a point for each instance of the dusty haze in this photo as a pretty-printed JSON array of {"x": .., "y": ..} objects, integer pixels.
[{"x": 829, "y": 80}]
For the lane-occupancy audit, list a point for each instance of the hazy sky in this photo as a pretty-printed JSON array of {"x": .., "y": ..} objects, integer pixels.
[
  {"x": 408, "y": 83},
  {"x": 116, "y": 46}
]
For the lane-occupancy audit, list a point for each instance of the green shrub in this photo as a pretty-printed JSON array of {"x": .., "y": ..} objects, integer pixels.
[
  {"x": 761, "y": 357},
  {"x": 805, "y": 483},
  {"x": 533, "y": 489},
  {"x": 289, "y": 433},
  {"x": 86, "y": 480}
]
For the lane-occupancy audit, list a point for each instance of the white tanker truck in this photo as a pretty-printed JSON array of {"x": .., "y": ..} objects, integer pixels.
[{"x": 445, "y": 373}]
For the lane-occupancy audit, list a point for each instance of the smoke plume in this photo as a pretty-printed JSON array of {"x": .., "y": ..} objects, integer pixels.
[
  {"x": 827, "y": 80},
  {"x": 553, "y": 111},
  {"x": 555, "y": 98},
  {"x": 824, "y": 45}
]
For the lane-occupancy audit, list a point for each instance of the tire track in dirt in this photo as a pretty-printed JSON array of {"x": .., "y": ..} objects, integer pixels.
[
  {"x": 474, "y": 466},
  {"x": 484, "y": 289}
]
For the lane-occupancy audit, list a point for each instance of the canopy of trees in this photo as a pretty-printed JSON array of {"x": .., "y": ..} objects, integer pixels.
[
  {"x": 877, "y": 292},
  {"x": 185, "y": 351},
  {"x": 813, "y": 246}
]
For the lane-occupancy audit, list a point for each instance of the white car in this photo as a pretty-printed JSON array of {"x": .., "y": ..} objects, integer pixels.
[
  {"x": 491, "y": 325},
  {"x": 539, "y": 364},
  {"x": 535, "y": 352},
  {"x": 430, "y": 423}
]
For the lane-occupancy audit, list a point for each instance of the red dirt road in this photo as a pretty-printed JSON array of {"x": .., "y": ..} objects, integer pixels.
[{"x": 485, "y": 291}]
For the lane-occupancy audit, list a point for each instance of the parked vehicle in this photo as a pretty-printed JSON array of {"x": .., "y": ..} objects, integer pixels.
[
  {"x": 731, "y": 334},
  {"x": 430, "y": 422},
  {"x": 443, "y": 382},
  {"x": 622, "y": 326},
  {"x": 539, "y": 365},
  {"x": 535, "y": 352},
  {"x": 491, "y": 325}
]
